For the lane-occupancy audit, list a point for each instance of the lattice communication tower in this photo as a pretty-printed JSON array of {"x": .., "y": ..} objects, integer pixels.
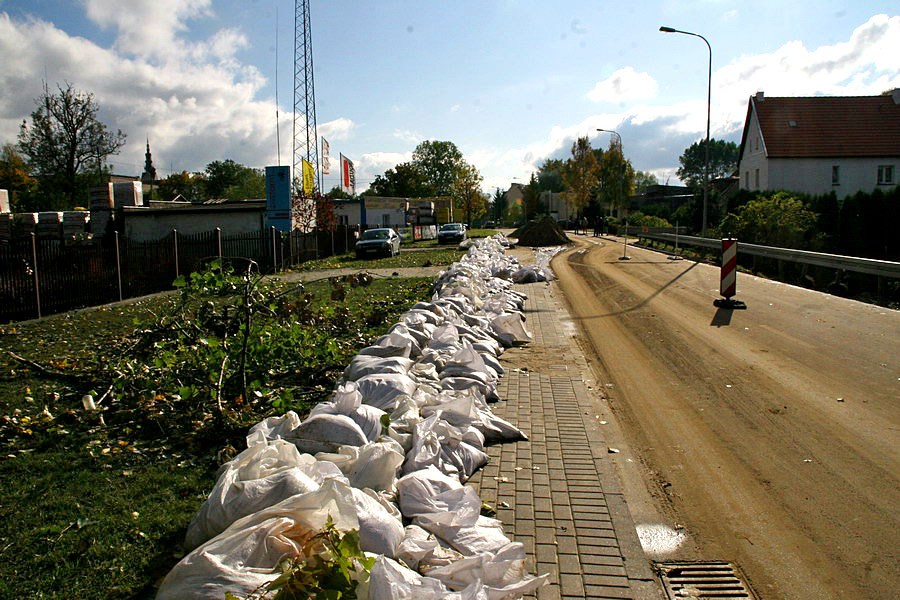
[{"x": 306, "y": 145}]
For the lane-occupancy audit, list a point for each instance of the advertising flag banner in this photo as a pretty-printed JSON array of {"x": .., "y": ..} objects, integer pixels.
[
  {"x": 348, "y": 175},
  {"x": 309, "y": 178},
  {"x": 326, "y": 157}
]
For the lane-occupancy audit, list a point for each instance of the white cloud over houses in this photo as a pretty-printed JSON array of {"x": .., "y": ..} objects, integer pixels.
[
  {"x": 624, "y": 85},
  {"x": 194, "y": 100},
  {"x": 655, "y": 134}
]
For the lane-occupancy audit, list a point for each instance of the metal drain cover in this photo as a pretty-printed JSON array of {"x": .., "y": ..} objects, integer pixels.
[{"x": 719, "y": 580}]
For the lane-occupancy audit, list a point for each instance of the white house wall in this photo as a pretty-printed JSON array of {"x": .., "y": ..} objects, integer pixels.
[{"x": 813, "y": 175}]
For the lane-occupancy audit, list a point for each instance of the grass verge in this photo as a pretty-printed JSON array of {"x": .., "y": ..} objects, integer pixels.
[
  {"x": 96, "y": 503},
  {"x": 423, "y": 258}
]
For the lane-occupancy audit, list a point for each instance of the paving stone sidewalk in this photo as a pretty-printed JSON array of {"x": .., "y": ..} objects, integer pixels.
[{"x": 558, "y": 492}]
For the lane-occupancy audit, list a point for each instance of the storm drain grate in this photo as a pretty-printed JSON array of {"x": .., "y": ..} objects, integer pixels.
[{"x": 703, "y": 580}]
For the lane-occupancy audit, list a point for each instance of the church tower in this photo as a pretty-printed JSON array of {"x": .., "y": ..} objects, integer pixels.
[{"x": 148, "y": 177}]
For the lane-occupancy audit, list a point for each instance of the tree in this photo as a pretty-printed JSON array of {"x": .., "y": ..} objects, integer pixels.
[
  {"x": 616, "y": 177},
  {"x": 550, "y": 176},
  {"x": 580, "y": 173},
  {"x": 531, "y": 199},
  {"x": 780, "y": 219},
  {"x": 498, "y": 206},
  {"x": 438, "y": 162},
  {"x": 337, "y": 193},
  {"x": 250, "y": 185},
  {"x": 643, "y": 180},
  {"x": 190, "y": 187},
  {"x": 222, "y": 174},
  {"x": 467, "y": 195},
  {"x": 723, "y": 159},
  {"x": 403, "y": 181},
  {"x": 65, "y": 139},
  {"x": 15, "y": 177}
]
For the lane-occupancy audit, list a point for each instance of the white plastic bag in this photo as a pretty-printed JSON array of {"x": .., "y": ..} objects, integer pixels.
[
  {"x": 379, "y": 531},
  {"x": 326, "y": 433},
  {"x": 510, "y": 329},
  {"x": 259, "y": 477},
  {"x": 437, "y": 498},
  {"x": 363, "y": 365},
  {"x": 383, "y": 390},
  {"x": 347, "y": 401},
  {"x": 246, "y": 555}
]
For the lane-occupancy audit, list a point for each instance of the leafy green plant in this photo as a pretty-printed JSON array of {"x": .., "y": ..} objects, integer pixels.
[{"x": 330, "y": 567}]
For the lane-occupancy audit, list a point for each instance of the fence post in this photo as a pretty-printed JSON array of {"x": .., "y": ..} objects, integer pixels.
[
  {"x": 291, "y": 247},
  {"x": 274, "y": 254},
  {"x": 175, "y": 238},
  {"x": 219, "y": 241},
  {"x": 118, "y": 266},
  {"x": 37, "y": 281}
]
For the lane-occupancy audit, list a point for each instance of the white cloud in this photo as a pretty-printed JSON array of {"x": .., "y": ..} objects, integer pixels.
[
  {"x": 338, "y": 129},
  {"x": 194, "y": 100},
  {"x": 408, "y": 136},
  {"x": 623, "y": 86}
]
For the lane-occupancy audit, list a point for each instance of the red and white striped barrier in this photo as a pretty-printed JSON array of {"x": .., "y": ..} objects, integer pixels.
[
  {"x": 728, "y": 282},
  {"x": 729, "y": 267}
]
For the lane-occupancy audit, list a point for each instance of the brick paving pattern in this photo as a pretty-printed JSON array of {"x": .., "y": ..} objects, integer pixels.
[{"x": 557, "y": 492}]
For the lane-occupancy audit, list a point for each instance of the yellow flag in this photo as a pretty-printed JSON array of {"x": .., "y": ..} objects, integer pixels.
[{"x": 309, "y": 178}]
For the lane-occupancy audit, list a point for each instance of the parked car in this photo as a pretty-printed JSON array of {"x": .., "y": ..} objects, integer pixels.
[
  {"x": 451, "y": 233},
  {"x": 378, "y": 241}
]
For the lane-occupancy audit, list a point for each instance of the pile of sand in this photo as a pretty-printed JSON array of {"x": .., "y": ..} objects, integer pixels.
[{"x": 542, "y": 232}]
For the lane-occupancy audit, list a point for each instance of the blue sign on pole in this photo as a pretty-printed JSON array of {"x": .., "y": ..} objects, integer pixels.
[{"x": 278, "y": 197}]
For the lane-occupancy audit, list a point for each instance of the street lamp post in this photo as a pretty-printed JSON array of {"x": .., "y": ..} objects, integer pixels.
[
  {"x": 621, "y": 191},
  {"x": 708, "y": 109}
]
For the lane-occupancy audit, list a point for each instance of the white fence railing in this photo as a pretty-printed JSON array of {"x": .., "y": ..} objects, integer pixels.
[{"x": 871, "y": 266}]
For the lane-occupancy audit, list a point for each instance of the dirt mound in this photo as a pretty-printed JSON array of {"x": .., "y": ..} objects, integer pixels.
[{"x": 541, "y": 232}]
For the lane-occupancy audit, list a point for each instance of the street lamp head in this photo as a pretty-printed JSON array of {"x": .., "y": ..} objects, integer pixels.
[{"x": 668, "y": 30}]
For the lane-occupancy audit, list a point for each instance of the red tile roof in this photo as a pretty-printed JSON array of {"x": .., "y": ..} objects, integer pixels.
[{"x": 828, "y": 126}]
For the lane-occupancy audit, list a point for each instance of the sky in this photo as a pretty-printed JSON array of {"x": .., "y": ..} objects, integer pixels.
[{"x": 510, "y": 82}]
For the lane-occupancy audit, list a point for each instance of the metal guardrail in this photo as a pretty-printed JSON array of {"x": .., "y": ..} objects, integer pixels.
[{"x": 871, "y": 266}]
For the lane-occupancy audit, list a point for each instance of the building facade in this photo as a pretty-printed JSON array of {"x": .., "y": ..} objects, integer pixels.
[{"x": 820, "y": 144}]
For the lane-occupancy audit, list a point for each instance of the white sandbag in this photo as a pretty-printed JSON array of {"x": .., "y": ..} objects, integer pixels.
[
  {"x": 485, "y": 536},
  {"x": 385, "y": 350},
  {"x": 347, "y": 401},
  {"x": 389, "y": 580},
  {"x": 510, "y": 329},
  {"x": 259, "y": 477},
  {"x": 437, "y": 498},
  {"x": 373, "y": 465},
  {"x": 462, "y": 383},
  {"x": 503, "y": 573},
  {"x": 445, "y": 336},
  {"x": 399, "y": 336},
  {"x": 326, "y": 433},
  {"x": 383, "y": 390},
  {"x": 466, "y": 409},
  {"x": 273, "y": 428},
  {"x": 247, "y": 554},
  {"x": 421, "y": 550},
  {"x": 453, "y": 450},
  {"x": 379, "y": 531},
  {"x": 362, "y": 365}
]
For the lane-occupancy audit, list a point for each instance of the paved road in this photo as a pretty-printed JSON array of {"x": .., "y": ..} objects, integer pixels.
[{"x": 770, "y": 434}]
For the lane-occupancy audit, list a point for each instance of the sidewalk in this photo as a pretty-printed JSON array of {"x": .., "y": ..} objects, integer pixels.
[{"x": 558, "y": 492}]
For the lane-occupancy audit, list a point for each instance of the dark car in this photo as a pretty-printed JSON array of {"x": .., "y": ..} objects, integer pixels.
[
  {"x": 451, "y": 233},
  {"x": 378, "y": 241}
]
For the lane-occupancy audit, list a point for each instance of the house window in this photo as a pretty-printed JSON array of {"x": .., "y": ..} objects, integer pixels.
[
  {"x": 756, "y": 179},
  {"x": 386, "y": 220},
  {"x": 885, "y": 174},
  {"x": 835, "y": 175},
  {"x": 746, "y": 180}
]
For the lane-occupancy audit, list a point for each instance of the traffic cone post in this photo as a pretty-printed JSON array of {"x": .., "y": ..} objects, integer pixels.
[{"x": 728, "y": 283}]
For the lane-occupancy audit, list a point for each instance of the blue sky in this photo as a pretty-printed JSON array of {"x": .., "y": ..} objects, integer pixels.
[{"x": 511, "y": 82}]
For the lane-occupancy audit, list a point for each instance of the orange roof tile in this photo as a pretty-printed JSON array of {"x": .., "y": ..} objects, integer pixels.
[{"x": 829, "y": 126}]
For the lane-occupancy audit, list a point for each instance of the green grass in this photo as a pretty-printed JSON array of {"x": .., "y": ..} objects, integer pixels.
[
  {"x": 98, "y": 509},
  {"x": 438, "y": 257}
]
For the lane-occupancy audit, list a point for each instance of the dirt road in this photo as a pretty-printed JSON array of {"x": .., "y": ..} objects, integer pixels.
[{"x": 770, "y": 434}]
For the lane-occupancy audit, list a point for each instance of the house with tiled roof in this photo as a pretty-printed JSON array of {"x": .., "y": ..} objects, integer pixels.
[{"x": 819, "y": 144}]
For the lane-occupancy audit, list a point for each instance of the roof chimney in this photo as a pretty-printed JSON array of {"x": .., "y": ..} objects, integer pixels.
[{"x": 760, "y": 96}]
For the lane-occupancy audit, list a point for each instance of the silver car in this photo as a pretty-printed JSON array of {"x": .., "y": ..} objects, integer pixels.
[{"x": 378, "y": 241}]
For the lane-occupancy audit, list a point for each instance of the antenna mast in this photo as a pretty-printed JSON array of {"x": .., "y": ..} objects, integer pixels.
[{"x": 306, "y": 141}]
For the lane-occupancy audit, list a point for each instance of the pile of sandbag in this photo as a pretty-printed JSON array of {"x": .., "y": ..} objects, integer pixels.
[{"x": 387, "y": 456}]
